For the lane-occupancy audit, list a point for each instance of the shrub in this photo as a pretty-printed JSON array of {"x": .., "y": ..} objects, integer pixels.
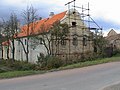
[
  {"x": 21, "y": 65},
  {"x": 48, "y": 62},
  {"x": 54, "y": 62},
  {"x": 5, "y": 69},
  {"x": 42, "y": 61}
]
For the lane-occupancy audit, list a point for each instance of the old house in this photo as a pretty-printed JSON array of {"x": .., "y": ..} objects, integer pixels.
[
  {"x": 76, "y": 44},
  {"x": 114, "y": 39}
]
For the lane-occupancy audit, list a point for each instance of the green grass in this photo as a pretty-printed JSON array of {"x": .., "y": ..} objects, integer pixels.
[
  {"x": 90, "y": 63},
  {"x": 11, "y": 74}
]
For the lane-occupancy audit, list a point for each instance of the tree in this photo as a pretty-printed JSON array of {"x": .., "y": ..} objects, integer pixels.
[
  {"x": 42, "y": 38},
  {"x": 10, "y": 28},
  {"x": 100, "y": 44},
  {"x": 29, "y": 16},
  {"x": 6, "y": 33},
  {"x": 59, "y": 32},
  {"x": 13, "y": 31},
  {"x": 1, "y": 28},
  {"x": 1, "y": 38},
  {"x": 60, "y": 29},
  {"x": 47, "y": 34}
]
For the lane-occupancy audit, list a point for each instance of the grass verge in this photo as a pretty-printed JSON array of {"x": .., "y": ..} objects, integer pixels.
[
  {"x": 93, "y": 62},
  {"x": 12, "y": 74}
]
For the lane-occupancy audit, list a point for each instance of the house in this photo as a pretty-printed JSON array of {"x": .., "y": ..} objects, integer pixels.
[
  {"x": 76, "y": 44},
  {"x": 113, "y": 38}
]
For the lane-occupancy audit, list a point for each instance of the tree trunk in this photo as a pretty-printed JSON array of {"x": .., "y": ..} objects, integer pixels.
[
  {"x": 50, "y": 48},
  {"x": 8, "y": 52},
  {"x": 13, "y": 51},
  {"x": 48, "y": 51},
  {"x": 27, "y": 59},
  {"x": 2, "y": 52},
  {"x": 26, "y": 51}
]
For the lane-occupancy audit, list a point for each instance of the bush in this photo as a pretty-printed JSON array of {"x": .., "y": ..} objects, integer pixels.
[
  {"x": 42, "y": 61},
  {"x": 4, "y": 69},
  {"x": 48, "y": 62},
  {"x": 54, "y": 62},
  {"x": 19, "y": 65}
]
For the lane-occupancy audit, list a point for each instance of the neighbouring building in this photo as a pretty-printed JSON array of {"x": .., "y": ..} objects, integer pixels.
[
  {"x": 113, "y": 39},
  {"x": 78, "y": 43},
  {"x": 113, "y": 43}
]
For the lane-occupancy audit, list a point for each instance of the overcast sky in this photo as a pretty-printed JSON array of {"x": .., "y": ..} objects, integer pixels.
[{"x": 105, "y": 12}]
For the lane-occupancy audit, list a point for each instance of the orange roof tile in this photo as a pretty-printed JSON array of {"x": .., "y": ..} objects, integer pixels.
[
  {"x": 6, "y": 43},
  {"x": 36, "y": 27}
]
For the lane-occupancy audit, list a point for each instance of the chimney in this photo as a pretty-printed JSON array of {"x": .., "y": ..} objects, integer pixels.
[{"x": 51, "y": 14}]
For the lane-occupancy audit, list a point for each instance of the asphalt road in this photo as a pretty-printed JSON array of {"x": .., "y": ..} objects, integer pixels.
[{"x": 88, "y": 78}]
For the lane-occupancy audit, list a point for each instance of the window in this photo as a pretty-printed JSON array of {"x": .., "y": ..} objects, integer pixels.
[
  {"x": 75, "y": 41},
  {"x": 74, "y": 12},
  {"x": 73, "y": 24},
  {"x": 63, "y": 41},
  {"x": 95, "y": 49},
  {"x": 84, "y": 40}
]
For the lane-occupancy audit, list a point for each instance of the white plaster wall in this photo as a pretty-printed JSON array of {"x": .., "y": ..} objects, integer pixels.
[{"x": 20, "y": 54}]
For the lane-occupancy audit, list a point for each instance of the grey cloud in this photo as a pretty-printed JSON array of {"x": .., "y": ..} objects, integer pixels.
[{"x": 6, "y": 8}]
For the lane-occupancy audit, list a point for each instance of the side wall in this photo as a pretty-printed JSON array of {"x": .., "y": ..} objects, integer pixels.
[{"x": 19, "y": 51}]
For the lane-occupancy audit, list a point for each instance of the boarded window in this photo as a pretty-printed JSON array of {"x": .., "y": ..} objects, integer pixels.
[
  {"x": 75, "y": 41},
  {"x": 84, "y": 40}
]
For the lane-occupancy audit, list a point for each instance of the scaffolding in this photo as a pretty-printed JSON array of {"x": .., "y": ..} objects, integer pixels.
[
  {"x": 87, "y": 20},
  {"x": 83, "y": 15},
  {"x": 88, "y": 23}
]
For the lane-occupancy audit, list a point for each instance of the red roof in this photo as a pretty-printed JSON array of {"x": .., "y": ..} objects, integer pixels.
[
  {"x": 36, "y": 27},
  {"x": 6, "y": 43}
]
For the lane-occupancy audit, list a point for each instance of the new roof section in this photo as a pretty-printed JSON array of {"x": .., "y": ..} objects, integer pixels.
[{"x": 40, "y": 26}]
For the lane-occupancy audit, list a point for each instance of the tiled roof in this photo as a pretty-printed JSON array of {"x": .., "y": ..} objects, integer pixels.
[
  {"x": 35, "y": 27},
  {"x": 6, "y": 43}
]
